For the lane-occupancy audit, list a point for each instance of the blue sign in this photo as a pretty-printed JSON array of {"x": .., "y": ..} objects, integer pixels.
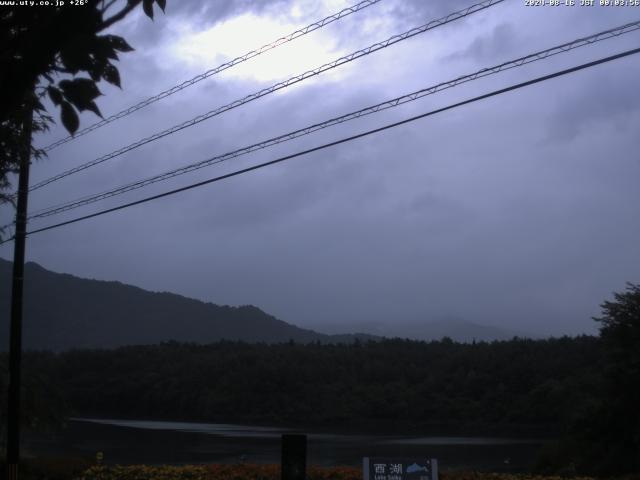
[{"x": 380, "y": 468}]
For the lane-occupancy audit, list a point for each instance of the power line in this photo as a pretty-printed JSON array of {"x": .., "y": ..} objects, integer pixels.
[
  {"x": 278, "y": 86},
  {"x": 343, "y": 140},
  {"x": 533, "y": 57},
  {"x": 243, "y": 58}
]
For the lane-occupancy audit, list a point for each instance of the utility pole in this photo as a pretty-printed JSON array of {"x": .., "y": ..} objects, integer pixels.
[{"x": 15, "y": 342}]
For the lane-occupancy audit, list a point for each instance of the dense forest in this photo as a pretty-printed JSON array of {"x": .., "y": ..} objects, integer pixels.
[
  {"x": 538, "y": 386},
  {"x": 583, "y": 390}
]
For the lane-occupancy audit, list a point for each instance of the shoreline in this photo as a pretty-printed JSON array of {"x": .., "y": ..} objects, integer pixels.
[{"x": 129, "y": 445}]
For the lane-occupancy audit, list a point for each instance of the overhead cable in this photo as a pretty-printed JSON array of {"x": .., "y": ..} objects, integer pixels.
[
  {"x": 341, "y": 141},
  {"x": 278, "y": 86},
  {"x": 198, "y": 78},
  {"x": 533, "y": 57}
]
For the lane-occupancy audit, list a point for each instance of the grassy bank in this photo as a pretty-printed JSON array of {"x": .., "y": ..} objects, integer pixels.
[
  {"x": 80, "y": 469},
  {"x": 263, "y": 472}
]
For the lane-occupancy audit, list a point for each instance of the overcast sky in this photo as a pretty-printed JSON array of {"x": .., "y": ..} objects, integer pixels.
[{"x": 518, "y": 211}]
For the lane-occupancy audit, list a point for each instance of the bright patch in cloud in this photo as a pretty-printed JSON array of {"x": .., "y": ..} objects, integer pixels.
[{"x": 225, "y": 41}]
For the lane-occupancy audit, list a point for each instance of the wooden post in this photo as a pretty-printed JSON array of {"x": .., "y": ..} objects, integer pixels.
[
  {"x": 15, "y": 342},
  {"x": 294, "y": 457}
]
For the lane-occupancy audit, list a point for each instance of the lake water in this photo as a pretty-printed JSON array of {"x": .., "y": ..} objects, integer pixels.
[{"x": 156, "y": 442}]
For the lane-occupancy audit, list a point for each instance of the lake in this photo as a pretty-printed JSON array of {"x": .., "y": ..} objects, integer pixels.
[{"x": 160, "y": 442}]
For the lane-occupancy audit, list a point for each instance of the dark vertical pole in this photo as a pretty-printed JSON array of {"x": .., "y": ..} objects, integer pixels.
[
  {"x": 294, "y": 457},
  {"x": 15, "y": 342}
]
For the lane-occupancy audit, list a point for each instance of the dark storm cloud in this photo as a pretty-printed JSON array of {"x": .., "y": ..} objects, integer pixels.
[
  {"x": 498, "y": 43},
  {"x": 207, "y": 13},
  {"x": 200, "y": 15},
  {"x": 420, "y": 10},
  {"x": 513, "y": 211},
  {"x": 607, "y": 99}
]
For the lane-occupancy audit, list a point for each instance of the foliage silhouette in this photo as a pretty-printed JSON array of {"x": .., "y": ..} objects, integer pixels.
[
  {"x": 604, "y": 435},
  {"x": 613, "y": 433},
  {"x": 45, "y": 52},
  {"x": 533, "y": 386}
]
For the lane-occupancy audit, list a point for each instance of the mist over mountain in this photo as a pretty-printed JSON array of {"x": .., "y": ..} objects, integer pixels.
[
  {"x": 455, "y": 328},
  {"x": 62, "y": 311}
]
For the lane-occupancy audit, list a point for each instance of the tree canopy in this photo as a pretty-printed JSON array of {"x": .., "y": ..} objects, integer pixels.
[
  {"x": 618, "y": 425},
  {"x": 605, "y": 437},
  {"x": 61, "y": 53}
]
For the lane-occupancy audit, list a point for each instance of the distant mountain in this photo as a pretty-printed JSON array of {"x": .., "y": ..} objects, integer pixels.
[
  {"x": 456, "y": 329},
  {"x": 62, "y": 311}
]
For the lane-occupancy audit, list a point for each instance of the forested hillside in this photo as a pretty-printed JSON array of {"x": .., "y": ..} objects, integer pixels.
[
  {"x": 394, "y": 384},
  {"x": 63, "y": 311}
]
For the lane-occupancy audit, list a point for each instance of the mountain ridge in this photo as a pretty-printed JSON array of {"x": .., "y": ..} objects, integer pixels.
[
  {"x": 454, "y": 328},
  {"x": 63, "y": 311}
]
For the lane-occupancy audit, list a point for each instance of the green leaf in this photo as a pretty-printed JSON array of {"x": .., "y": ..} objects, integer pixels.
[
  {"x": 118, "y": 43},
  {"x": 55, "y": 95},
  {"x": 95, "y": 72},
  {"x": 94, "y": 108},
  {"x": 147, "y": 6},
  {"x": 37, "y": 105},
  {"x": 69, "y": 117},
  {"x": 81, "y": 92},
  {"x": 162, "y": 4},
  {"x": 104, "y": 48},
  {"x": 75, "y": 56},
  {"x": 112, "y": 75}
]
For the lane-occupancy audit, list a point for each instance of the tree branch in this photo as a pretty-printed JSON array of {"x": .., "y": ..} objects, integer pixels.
[
  {"x": 107, "y": 6},
  {"x": 118, "y": 16}
]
